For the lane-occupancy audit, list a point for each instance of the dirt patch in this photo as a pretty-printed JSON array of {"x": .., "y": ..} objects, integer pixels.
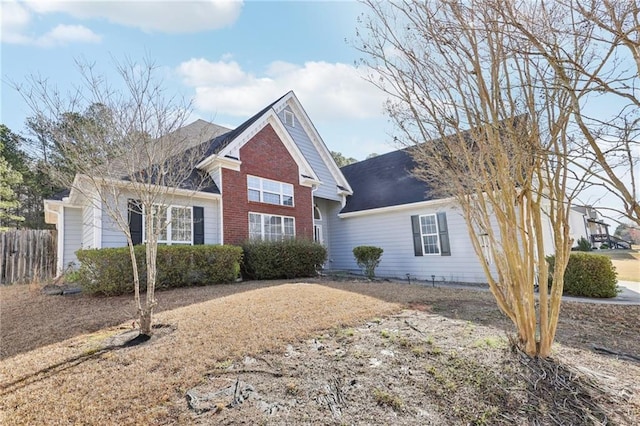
[{"x": 412, "y": 368}]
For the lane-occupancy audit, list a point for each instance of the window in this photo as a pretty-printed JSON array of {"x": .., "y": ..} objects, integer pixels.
[
  {"x": 269, "y": 191},
  {"x": 175, "y": 224},
  {"x": 429, "y": 233},
  {"x": 289, "y": 118},
  {"x": 270, "y": 227}
]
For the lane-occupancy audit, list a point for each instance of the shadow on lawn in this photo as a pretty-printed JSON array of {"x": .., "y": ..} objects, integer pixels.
[
  {"x": 31, "y": 319},
  {"x": 127, "y": 340}
]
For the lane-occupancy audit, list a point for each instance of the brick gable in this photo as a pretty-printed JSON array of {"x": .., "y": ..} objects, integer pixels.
[{"x": 264, "y": 156}]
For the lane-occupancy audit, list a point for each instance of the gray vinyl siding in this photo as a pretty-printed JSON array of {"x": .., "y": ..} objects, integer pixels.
[
  {"x": 112, "y": 235},
  {"x": 72, "y": 235},
  {"x": 88, "y": 227},
  {"x": 392, "y": 232},
  {"x": 329, "y": 188},
  {"x": 328, "y": 209}
]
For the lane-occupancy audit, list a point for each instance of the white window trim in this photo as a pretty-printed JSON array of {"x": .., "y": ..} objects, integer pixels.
[
  {"x": 261, "y": 190},
  {"x": 289, "y": 118},
  {"x": 318, "y": 237},
  {"x": 263, "y": 215},
  {"x": 437, "y": 234},
  {"x": 485, "y": 245},
  {"x": 168, "y": 241}
]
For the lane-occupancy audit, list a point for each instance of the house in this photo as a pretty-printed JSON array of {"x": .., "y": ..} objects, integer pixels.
[
  {"x": 273, "y": 177},
  {"x": 594, "y": 229}
]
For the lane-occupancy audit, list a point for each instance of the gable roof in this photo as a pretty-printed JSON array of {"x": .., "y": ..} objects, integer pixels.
[
  {"x": 292, "y": 100},
  {"x": 383, "y": 181},
  {"x": 229, "y": 144},
  {"x": 220, "y": 142}
]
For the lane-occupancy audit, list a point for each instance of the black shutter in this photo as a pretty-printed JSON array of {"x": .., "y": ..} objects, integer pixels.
[
  {"x": 417, "y": 236},
  {"x": 445, "y": 248},
  {"x": 198, "y": 225},
  {"x": 135, "y": 220}
]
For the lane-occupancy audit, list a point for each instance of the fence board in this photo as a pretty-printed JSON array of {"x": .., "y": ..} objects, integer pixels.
[{"x": 27, "y": 255}]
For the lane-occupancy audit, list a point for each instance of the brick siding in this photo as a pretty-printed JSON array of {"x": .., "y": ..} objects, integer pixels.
[{"x": 264, "y": 156}]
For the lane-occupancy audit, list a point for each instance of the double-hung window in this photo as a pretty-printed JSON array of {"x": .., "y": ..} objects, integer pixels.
[
  {"x": 269, "y": 191},
  {"x": 271, "y": 227},
  {"x": 174, "y": 224},
  {"x": 429, "y": 233}
]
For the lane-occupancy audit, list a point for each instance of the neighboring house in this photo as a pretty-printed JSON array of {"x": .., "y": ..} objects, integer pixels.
[
  {"x": 273, "y": 177},
  {"x": 594, "y": 229}
]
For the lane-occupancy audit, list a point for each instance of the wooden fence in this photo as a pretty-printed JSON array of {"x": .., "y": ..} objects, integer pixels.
[{"x": 27, "y": 255}]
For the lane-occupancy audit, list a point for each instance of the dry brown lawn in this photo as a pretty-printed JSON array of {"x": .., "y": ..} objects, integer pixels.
[
  {"x": 74, "y": 382},
  {"x": 626, "y": 262},
  {"x": 56, "y": 369}
]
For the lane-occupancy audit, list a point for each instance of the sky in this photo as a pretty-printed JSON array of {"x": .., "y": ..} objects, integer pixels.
[{"x": 231, "y": 58}]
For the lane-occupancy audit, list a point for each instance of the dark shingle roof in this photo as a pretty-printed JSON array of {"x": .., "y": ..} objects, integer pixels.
[
  {"x": 58, "y": 196},
  {"x": 196, "y": 181},
  {"x": 383, "y": 181},
  {"x": 193, "y": 133}
]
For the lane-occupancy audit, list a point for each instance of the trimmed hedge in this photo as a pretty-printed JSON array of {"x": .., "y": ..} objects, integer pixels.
[
  {"x": 588, "y": 275},
  {"x": 368, "y": 258},
  {"x": 268, "y": 260},
  {"x": 109, "y": 272}
]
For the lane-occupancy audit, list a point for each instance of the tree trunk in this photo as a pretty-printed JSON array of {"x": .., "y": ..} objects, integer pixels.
[{"x": 145, "y": 320}]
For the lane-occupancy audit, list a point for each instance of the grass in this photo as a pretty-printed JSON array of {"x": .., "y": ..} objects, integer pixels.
[
  {"x": 74, "y": 380},
  {"x": 385, "y": 398},
  {"x": 71, "y": 381},
  {"x": 627, "y": 262}
]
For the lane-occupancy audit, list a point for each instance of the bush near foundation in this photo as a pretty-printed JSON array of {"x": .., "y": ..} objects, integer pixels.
[
  {"x": 108, "y": 271},
  {"x": 268, "y": 260},
  {"x": 368, "y": 258},
  {"x": 588, "y": 275}
]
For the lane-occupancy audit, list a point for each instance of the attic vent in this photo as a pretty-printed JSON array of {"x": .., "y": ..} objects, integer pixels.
[{"x": 288, "y": 118}]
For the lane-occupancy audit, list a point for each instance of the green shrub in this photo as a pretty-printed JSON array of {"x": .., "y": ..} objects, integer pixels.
[
  {"x": 588, "y": 275},
  {"x": 583, "y": 245},
  {"x": 604, "y": 246},
  {"x": 267, "y": 260},
  {"x": 109, "y": 272},
  {"x": 368, "y": 258}
]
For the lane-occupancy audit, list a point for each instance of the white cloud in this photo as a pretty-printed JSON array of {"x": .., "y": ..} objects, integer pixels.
[
  {"x": 16, "y": 19},
  {"x": 167, "y": 16},
  {"x": 328, "y": 91},
  {"x": 65, "y": 34}
]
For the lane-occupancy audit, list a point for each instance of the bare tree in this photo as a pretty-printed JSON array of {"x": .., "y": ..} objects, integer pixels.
[
  {"x": 597, "y": 41},
  {"x": 121, "y": 143},
  {"x": 487, "y": 121}
]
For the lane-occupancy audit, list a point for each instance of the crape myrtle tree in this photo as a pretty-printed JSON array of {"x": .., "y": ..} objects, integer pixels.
[
  {"x": 118, "y": 141},
  {"x": 487, "y": 121},
  {"x": 598, "y": 43}
]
